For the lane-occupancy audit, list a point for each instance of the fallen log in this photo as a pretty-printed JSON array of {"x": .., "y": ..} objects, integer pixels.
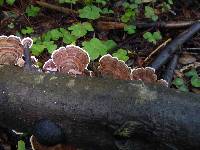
[{"x": 95, "y": 112}]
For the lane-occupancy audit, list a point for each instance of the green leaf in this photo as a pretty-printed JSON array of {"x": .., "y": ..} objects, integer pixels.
[
  {"x": 121, "y": 54},
  {"x": 55, "y": 34},
  {"x": 153, "y": 38},
  {"x": 183, "y": 88},
  {"x": 1, "y": 2},
  {"x": 150, "y": 13},
  {"x": 147, "y": 35},
  {"x": 21, "y": 145},
  {"x": 195, "y": 81},
  {"x": 37, "y": 49},
  {"x": 90, "y": 12},
  {"x": 191, "y": 73},
  {"x": 32, "y": 11},
  {"x": 130, "y": 29},
  {"x": 50, "y": 46},
  {"x": 178, "y": 82},
  {"x": 95, "y": 48},
  {"x": 67, "y": 37},
  {"x": 10, "y": 2},
  {"x": 27, "y": 30},
  {"x": 109, "y": 44},
  {"x": 107, "y": 11},
  {"x": 80, "y": 29},
  {"x": 157, "y": 35}
]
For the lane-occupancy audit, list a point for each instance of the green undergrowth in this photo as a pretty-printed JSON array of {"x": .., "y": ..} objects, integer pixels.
[{"x": 83, "y": 31}]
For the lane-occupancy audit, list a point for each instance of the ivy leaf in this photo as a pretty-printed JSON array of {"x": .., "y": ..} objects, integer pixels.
[
  {"x": 121, "y": 54},
  {"x": 95, "y": 48},
  {"x": 81, "y": 29},
  {"x": 10, "y": 2},
  {"x": 21, "y": 145},
  {"x": 90, "y": 12},
  {"x": 32, "y": 11},
  {"x": 27, "y": 30}
]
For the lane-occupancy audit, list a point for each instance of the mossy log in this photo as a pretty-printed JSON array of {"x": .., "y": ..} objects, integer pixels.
[{"x": 90, "y": 110}]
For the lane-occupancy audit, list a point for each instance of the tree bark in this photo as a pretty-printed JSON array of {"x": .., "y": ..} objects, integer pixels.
[{"x": 90, "y": 110}]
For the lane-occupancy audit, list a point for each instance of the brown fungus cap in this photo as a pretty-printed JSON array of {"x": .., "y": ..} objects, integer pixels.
[
  {"x": 112, "y": 67},
  {"x": 71, "y": 60},
  {"x": 11, "y": 50},
  {"x": 49, "y": 66},
  {"x": 147, "y": 75}
]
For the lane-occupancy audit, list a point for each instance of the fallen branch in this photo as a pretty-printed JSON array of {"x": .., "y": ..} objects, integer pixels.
[
  {"x": 92, "y": 110},
  {"x": 164, "y": 56},
  {"x": 108, "y": 25},
  {"x": 169, "y": 73}
]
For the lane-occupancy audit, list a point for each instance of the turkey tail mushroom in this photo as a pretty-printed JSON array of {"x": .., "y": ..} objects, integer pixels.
[
  {"x": 112, "y": 67},
  {"x": 11, "y": 50},
  {"x": 71, "y": 60},
  {"x": 49, "y": 66},
  {"x": 147, "y": 75}
]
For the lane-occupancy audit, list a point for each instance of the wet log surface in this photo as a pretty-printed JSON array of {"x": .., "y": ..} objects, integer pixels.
[{"x": 90, "y": 110}]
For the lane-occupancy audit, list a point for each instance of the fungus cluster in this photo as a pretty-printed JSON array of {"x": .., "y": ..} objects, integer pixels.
[{"x": 73, "y": 60}]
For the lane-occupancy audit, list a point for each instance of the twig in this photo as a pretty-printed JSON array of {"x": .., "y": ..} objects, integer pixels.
[
  {"x": 66, "y": 10},
  {"x": 174, "y": 45},
  {"x": 57, "y": 8},
  {"x": 158, "y": 48}
]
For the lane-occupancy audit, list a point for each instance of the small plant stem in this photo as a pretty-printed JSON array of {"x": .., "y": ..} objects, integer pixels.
[{"x": 157, "y": 49}]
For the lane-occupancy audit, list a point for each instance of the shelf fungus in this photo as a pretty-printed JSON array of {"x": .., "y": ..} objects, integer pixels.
[
  {"x": 71, "y": 60},
  {"x": 12, "y": 50},
  {"x": 147, "y": 75},
  {"x": 112, "y": 67},
  {"x": 49, "y": 66}
]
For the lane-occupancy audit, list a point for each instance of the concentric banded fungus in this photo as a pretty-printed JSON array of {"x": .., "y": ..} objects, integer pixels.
[
  {"x": 147, "y": 75},
  {"x": 11, "y": 50},
  {"x": 112, "y": 67},
  {"x": 71, "y": 60},
  {"x": 27, "y": 42},
  {"x": 49, "y": 66}
]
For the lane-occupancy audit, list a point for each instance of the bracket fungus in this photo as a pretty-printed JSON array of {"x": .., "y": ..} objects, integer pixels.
[
  {"x": 11, "y": 50},
  {"x": 69, "y": 60},
  {"x": 112, "y": 67},
  {"x": 147, "y": 75},
  {"x": 49, "y": 66}
]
